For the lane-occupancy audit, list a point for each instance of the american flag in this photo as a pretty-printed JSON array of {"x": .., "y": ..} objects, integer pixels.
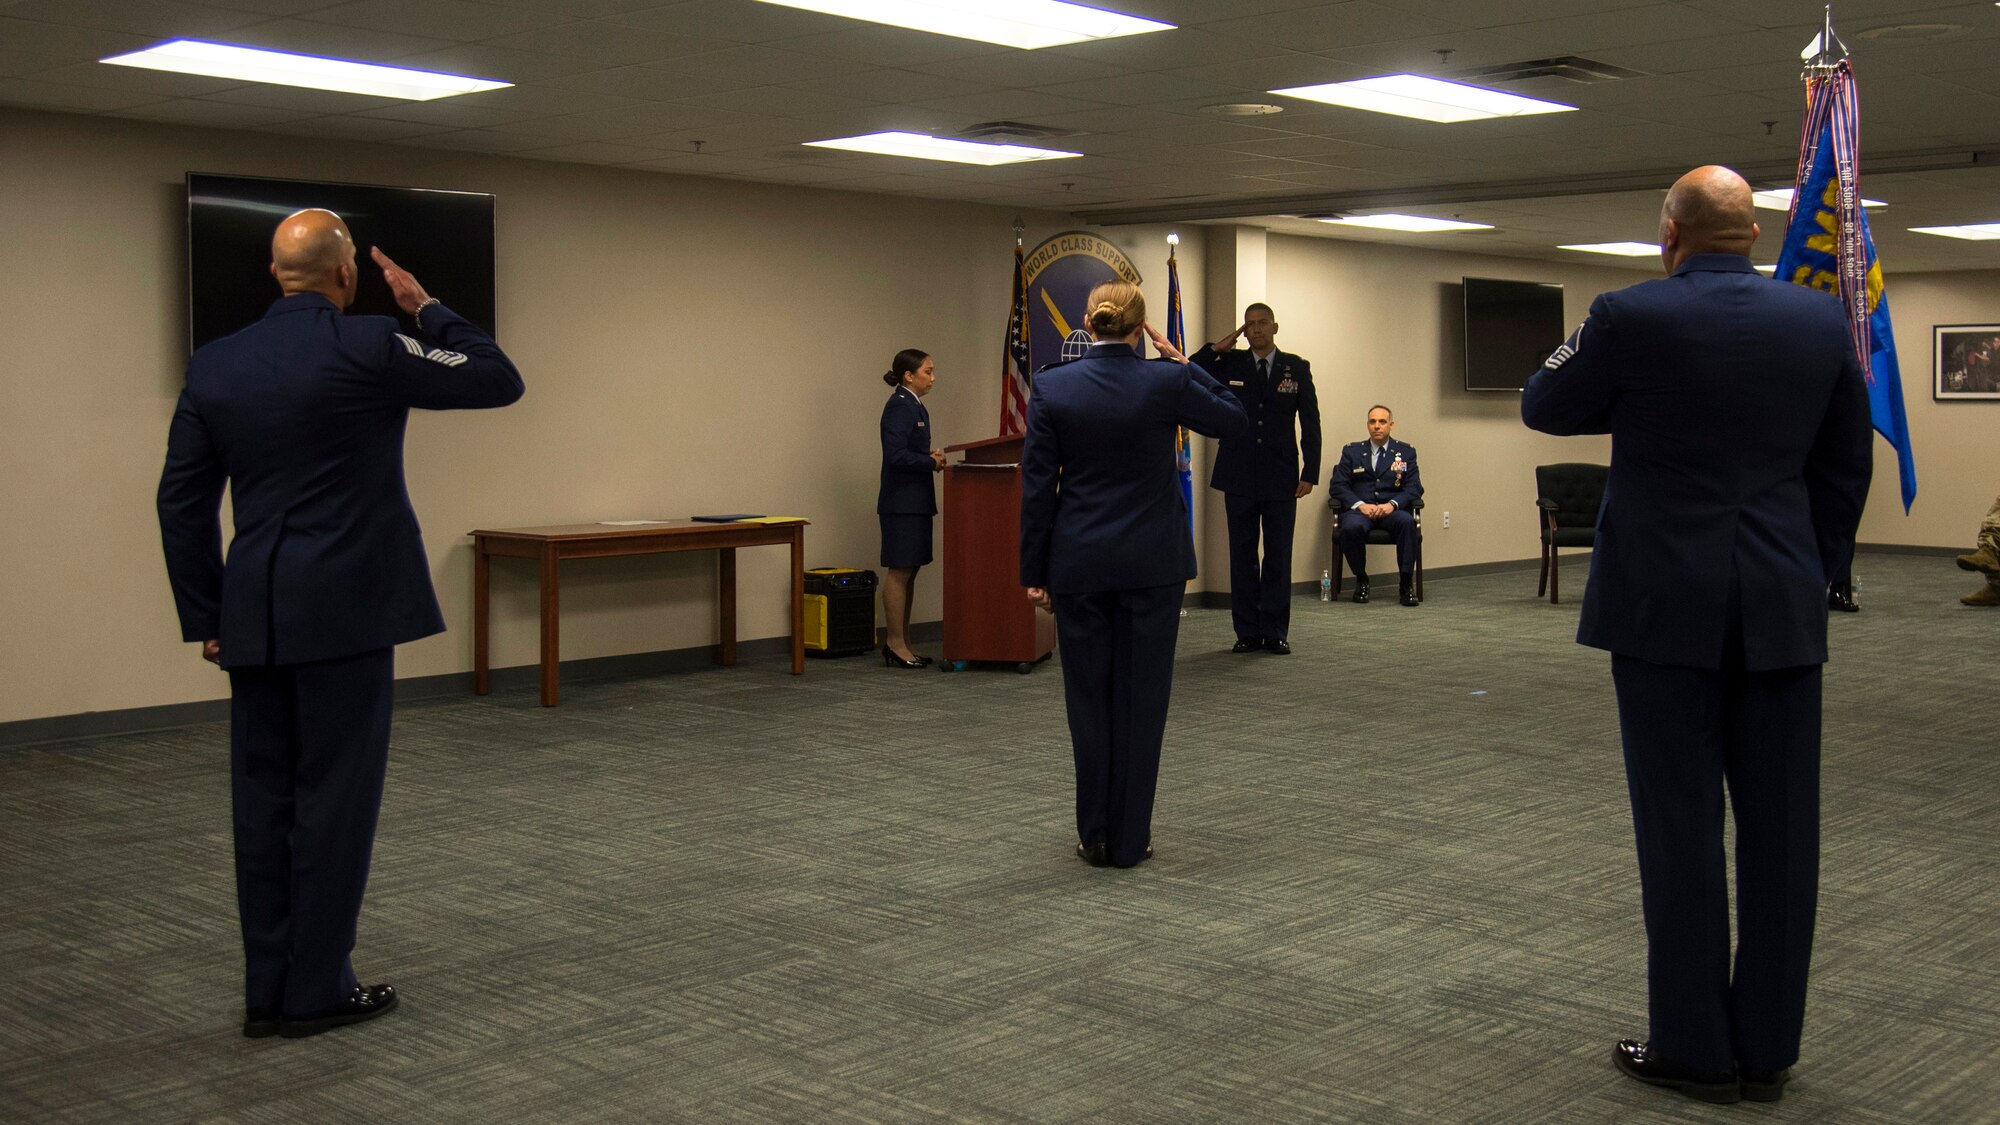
[{"x": 1014, "y": 364}]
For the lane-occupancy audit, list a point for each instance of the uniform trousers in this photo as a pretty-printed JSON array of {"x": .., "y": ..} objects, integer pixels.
[
  {"x": 308, "y": 748},
  {"x": 1354, "y": 529},
  {"x": 1688, "y": 733},
  {"x": 1118, "y": 674},
  {"x": 1260, "y": 590}
]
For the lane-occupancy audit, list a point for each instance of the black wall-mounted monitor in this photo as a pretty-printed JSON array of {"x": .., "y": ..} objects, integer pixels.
[
  {"x": 445, "y": 238},
  {"x": 1510, "y": 328}
]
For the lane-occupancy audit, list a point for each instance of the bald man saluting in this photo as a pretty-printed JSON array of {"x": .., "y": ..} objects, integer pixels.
[
  {"x": 1739, "y": 463},
  {"x": 302, "y": 415}
]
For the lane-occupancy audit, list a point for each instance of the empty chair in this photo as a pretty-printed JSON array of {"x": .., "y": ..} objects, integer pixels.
[{"x": 1567, "y": 498}]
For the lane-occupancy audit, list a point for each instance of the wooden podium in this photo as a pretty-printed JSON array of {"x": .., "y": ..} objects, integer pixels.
[{"x": 987, "y": 616}]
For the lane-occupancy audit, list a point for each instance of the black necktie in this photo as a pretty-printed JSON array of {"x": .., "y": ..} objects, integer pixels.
[{"x": 1263, "y": 371}]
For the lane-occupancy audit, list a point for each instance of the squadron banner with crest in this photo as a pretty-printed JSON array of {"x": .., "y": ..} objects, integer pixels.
[{"x": 1060, "y": 273}]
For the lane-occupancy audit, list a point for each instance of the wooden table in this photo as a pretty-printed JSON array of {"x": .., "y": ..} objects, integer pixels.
[{"x": 549, "y": 546}]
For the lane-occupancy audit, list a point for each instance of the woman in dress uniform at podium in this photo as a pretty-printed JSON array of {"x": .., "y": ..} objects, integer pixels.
[
  {"x": 907, "y": 500},
  {"x": 1105, "y": 543}
]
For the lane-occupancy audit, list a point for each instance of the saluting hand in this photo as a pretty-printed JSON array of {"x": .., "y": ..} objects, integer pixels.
[
  {"x": 1229, "y": 341},
  {"x": 1163, "y": 346},
  {"x": 409, "y": 294}
]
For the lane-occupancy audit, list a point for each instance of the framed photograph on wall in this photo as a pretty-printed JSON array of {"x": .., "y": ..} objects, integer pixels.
[{"x": 1965, "y": 362}]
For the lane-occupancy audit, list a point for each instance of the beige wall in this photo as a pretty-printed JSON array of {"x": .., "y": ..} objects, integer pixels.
[
  {"x": 695, "y": 345},
  {"x": 1957, "y": 444}
]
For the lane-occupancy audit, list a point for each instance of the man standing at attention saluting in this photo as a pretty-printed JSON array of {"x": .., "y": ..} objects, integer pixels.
[
  {"x": 1739, "y": 463},
  {"x": 1259, "y": 474},
  {"x": 301, "y": 415}
]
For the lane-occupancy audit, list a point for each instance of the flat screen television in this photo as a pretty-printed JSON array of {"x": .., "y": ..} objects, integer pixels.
[
  {"x": 1510, "y": 328},
  {"x": 445, "y": 238}
]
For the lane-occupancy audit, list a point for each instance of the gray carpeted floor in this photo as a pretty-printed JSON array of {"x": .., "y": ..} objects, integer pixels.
[{"x": 1394, "y": 884}]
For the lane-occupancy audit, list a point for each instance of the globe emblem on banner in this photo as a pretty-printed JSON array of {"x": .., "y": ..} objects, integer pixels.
[{"x": 1059, "y": 275}]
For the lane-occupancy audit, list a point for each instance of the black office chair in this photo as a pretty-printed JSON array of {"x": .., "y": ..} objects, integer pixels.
[
  {"x": 1378, "y": 537},
  {"x": 1567, "y": 497}
]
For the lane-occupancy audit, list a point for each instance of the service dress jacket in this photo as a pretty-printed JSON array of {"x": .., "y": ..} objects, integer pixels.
[
  {"x": 1393, "y": 478},
  {"x": 906, "y": 486},
  {"x": 1740, "y": 461},
  {"x": 302, "y": 416},
  {"x": 1101, "y": 505},
  {"x": 1283, "y": 408}
]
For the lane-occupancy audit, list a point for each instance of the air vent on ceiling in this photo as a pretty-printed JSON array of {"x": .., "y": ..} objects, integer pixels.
[
  {"x": 1569, "y": 68},
  {"x": 1011, "y": 132}
]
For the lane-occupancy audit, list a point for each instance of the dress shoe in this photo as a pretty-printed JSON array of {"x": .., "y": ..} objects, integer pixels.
[
  {"x": 1361, "y": 590},
  {"x": 1096, "y": 855},
  {"x": 364, "y": 1003},
  {"x": 260, "y": 1023},
  {"x": 1636, "y": 1059},
  {"x": 1148, "y": 855},
  {"x": 1842, "y": 599},
  {"x": 925, "y": 660},
  {"x": 1988, "y": 594},
  {"x": 1279, "y": 647},
  {"x": 1984, "y": 560},
  {"x": 1764, "y": 1085},
  {"x": 1406, "y": 591},
  {"x": 890, "y": 658},
  {"x": 1247, "y": 644}
]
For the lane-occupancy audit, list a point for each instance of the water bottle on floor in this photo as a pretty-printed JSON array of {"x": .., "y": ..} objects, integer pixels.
[{"x": 1326, "y": 585}]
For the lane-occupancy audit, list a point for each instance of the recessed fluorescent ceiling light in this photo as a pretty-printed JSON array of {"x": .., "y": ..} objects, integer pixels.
[
  {"x": 923, "y": 147},
  {"x": 1977, "y": 232},
  {"x": 220, "y": 60},
  {"x": 1625, "y": 249},
  {"x": 1780, "y": 199},
  {"x": 1432, "y": 99},
  {"x": 1027, "y": 24},
  {"x": 1415, "y": 223}
]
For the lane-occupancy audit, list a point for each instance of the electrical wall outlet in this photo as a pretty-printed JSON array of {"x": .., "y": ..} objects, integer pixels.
[{"x": 1447, "y": 521}]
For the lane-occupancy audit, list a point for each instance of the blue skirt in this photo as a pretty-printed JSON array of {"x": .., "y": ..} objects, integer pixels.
[{"x": 906, "y": 540}]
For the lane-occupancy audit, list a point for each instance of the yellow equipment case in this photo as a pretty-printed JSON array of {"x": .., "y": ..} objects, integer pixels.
[{"x": 840, "y": 611}]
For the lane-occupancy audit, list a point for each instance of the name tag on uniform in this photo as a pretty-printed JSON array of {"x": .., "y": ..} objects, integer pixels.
[
  {"x": 921, "y": 425},
  {"x": 1236, "y": 382},
  {"x": 1359, "y": 472}
]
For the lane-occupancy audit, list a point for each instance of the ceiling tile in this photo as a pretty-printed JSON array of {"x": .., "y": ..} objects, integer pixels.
[
  {"x": 607, "y": 43},
  {"x": 776, "y": 101},
  {"x": 546, "y": 100},
  {"x": 737, "y": 21},
  {"x": 485, "y": 140},
  {"x": 163, "y": 18},
  {"x": 653, "y": 83},
  {"x": 210, "y": 114},
  {"x": 437, "y": 19},
  {"x": 359, "y": 44},
  {"x": 483, "y": 60},
  {"x": 73, "y": 44},
  {"x": 72, "y": 99}
]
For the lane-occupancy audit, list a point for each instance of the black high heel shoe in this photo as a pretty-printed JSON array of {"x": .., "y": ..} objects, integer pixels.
[{"x": 892, "y": 660}]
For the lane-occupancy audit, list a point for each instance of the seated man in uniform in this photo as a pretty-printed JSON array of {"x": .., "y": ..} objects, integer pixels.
[{"x": 1374, "y": 486}]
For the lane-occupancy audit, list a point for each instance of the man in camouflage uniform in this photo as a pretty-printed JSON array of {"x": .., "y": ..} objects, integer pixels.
[{"x": 1985, "y": 560}]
